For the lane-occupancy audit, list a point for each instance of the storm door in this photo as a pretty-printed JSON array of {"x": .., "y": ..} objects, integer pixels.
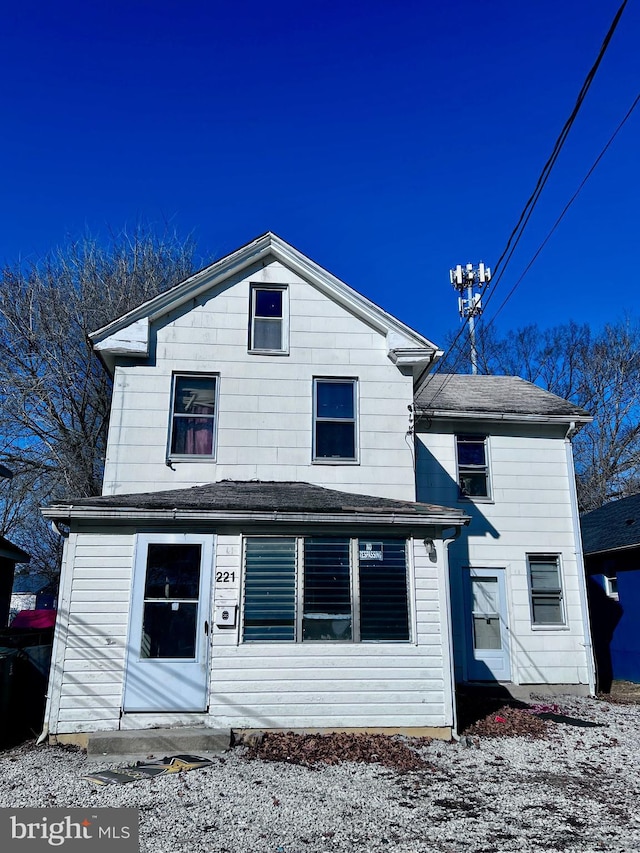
[
  {"x": 486, "y": 625},
  {"x": 167, "y": 659}
]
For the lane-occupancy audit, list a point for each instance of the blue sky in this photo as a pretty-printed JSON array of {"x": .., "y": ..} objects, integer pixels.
[{"x": 388, "y": 141}]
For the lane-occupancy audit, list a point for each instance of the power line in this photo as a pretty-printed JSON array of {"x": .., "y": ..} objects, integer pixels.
[
  {"x": 564, "y": 211},
  {"x": 516, "y": 234}
]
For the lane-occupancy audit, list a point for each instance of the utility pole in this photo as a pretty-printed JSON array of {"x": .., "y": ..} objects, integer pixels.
[{"x": 470, "y": 306}]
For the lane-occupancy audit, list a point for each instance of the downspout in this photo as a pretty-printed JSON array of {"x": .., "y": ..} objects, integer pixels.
[
  {"x": 449, "y": 631},
  {"x": 582, "y": 579},
  {"x": 44, "y": 734}
]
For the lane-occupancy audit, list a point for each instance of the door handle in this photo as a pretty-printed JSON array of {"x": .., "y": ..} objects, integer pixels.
[{"x": 206, "y": 627}]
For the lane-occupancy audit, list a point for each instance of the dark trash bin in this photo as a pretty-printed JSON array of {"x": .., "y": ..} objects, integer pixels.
[{"x": 23, "y": 686}]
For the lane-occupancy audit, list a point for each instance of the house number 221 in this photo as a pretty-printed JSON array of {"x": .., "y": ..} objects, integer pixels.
[{"x": 225, "y": 577}]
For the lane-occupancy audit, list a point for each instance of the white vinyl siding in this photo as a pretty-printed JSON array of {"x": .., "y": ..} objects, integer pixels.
[
  {"x": 530, "y": 512},
  {"x": 257, "y": 684},
  {"x": 265, "y": 408}
]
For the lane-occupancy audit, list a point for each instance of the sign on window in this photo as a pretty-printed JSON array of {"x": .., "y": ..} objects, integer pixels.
[{"x": 371, "y": 550}]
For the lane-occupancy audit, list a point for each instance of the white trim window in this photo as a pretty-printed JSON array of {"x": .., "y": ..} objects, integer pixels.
[
  {"x": 194, "y": 407},
  {"x": 610, "y": 579},
  {"x": 473, "y": 466},
  {"x": 325, "y": 589},
  {"x": 335, "y": 420},
  {"x": 545, "y": 587},
  {"x": 269, "y": 320}
]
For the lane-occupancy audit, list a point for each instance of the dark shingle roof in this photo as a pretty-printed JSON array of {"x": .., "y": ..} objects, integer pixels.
[
  {"x": 614, "y": 525},
  {"x": 261, "y": 496},
  {"x": 456, "y": 393}
]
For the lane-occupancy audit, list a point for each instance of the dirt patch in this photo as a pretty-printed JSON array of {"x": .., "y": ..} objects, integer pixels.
[
  {"x": 622, "y": 693},
  {"x": 313, "y": 750}
]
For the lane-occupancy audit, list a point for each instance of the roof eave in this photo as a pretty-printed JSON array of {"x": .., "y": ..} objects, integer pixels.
[
  {"x": 69, "y": 513},
  {"x": 398, "y": 333},
  {"x": 504, "y": 416}
]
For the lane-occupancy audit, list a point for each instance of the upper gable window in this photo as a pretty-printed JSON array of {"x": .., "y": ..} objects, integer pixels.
[
  {"x": 473, "y": 466},
  {"x": 269, "y": 321},
  {"x": 335, "y": 433},
  {"x": 193, "y": 416}
]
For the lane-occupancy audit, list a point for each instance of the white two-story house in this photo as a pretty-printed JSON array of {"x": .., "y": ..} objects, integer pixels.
[{"x": 271, "y": 548}]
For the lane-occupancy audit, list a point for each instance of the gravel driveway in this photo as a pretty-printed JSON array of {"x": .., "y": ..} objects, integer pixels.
[{"x": 578, "y": 790}]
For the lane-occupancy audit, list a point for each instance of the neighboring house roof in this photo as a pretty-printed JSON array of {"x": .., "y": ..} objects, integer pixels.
[
  {"x": 453, "y": 395},
  {"x": 11, "y": 552},
  {"x": 259, "y": 501},
  {"x": 129, "y": 335},
  {"x": 612, "y": 527}
]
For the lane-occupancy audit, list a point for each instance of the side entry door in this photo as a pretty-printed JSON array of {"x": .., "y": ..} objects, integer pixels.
[
  {"x": 167, "y": 665},
  {"x": 487, "y": 629}
]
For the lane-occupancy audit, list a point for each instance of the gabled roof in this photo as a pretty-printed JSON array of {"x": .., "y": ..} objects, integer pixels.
[
  {"x": 256, "y": 500},
  {"x": 453, "y": 395},
  {"x": 129, "y": 334},
  {"x": 612, "y": 527}
]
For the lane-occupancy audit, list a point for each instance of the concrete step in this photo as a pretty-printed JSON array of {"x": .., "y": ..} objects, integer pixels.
[{"x": 142, "y": 744}]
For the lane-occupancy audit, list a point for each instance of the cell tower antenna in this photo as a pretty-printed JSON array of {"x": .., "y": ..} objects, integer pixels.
[{"x": 464, "y": 279}]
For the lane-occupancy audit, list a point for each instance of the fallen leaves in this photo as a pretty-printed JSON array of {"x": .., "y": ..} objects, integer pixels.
[
  {"x": 330, "y": 749},
  {"x": 510, "y": 722}
]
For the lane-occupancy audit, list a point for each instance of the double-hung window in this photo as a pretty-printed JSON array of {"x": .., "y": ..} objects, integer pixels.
[
  {"x": 320, "y": 588},
  {"x": 268, "y": 325},
  {"x": 473, "y": 466},
  {"x": 193, "y": 416},
  {"x": 335, "y": 423},
  {"x": 545, "y": 586}
]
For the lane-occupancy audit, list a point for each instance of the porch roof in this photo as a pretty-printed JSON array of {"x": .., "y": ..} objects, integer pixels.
[{"x": 258, "y": 500}]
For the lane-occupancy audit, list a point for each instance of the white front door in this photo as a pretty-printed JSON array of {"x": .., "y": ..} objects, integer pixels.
[
  {"x": 487, "y": 628},
  {"x": 167, "y": 656}
]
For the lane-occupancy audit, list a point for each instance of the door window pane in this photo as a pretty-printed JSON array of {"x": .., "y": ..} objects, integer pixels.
[
  {"x": 169, "y": 630},
  {"x": 173, "y": 571},
  {"x": 170, "y": 609},
  {"x": 486, "y": 632}
]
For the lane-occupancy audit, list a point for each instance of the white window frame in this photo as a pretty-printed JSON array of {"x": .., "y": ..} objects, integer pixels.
[
  {"x": 354, "y": 586},
  {"x": 558, "y": 596},
  {"x": 611, "y": 585},
  {"x": 284, "y": 320},
  {"x": 474, "y": 469},
  {"x": 193, "y": 457},
  {"x": 337, "y": 460}
]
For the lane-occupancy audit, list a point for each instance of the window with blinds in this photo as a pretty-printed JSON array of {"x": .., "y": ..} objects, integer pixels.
[
  {"x": 384, "y": 611},
  {"x": 270, "y": 588},
  {"x": 342, "y": 589},
  {"x": 546, "y": 589}
]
